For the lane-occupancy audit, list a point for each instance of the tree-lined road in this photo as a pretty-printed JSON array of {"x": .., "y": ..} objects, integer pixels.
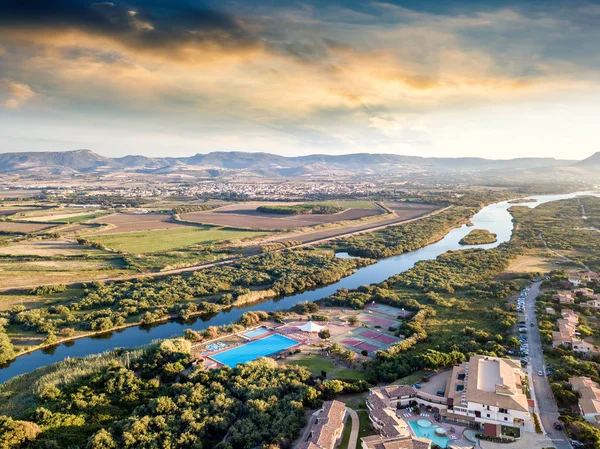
[{"x": 548, "y": 411}]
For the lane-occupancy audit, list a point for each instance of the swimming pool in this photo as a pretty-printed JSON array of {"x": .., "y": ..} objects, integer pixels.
[
  {"x": 253, "y": 350},
  {"x": 256, "y": 332},
  {"x": 428, "y": 433}
]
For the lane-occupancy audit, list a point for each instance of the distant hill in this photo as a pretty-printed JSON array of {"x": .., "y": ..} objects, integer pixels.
[
  {"x": 265, "y": 164},
  {"x": 591, "y": 162}
]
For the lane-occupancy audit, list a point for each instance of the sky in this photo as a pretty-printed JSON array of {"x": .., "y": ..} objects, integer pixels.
[{"x": 495, "y": 79}]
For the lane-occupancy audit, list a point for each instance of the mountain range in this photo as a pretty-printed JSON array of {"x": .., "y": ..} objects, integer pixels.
[{"x": 217, "y": 164}]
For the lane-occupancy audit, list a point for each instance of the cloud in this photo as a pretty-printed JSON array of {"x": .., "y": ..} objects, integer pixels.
[
  {"x": 170, "y": 30},
  {"x": 13, "y": 94},
  {"x": 315, "y": 74}
]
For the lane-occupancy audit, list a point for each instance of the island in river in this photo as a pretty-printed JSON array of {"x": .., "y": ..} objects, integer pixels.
[{"x": 478, "y": 237}]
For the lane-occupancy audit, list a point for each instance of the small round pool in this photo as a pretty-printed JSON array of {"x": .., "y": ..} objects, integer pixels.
[
  {"x": 440, "y": 431},
  {"x": 424, "y": 424}
]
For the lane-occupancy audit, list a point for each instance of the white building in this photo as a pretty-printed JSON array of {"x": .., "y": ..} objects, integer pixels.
[
  {"x": 487, "y": 392},
  {"x": 589, "y": 401}
]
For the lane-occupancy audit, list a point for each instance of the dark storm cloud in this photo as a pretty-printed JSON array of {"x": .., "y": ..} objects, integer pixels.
[{"x": 138, "y": 25}]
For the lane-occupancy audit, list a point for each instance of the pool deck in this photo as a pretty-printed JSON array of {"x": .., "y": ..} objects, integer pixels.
[{"x": 452, "y": 430}]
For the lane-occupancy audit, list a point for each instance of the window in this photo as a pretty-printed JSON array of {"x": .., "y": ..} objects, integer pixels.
[
  {"x": 503, "y": 410},
  {"x": 506, "y": 418},
  {"x": 488, "y": 415}
]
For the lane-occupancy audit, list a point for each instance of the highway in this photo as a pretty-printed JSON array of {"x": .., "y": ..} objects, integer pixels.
[{"x": 547, "y": 409}]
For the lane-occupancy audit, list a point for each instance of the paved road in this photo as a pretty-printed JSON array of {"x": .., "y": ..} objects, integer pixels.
[
  {"x": 547, "y": 409},
  {"x": 355, "y": 427}
]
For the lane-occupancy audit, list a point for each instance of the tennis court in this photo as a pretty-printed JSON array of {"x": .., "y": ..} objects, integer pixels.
[
  {"x": 384, "y": 338},
  {"x": 392, "y": 312},
  {"x": 376, "y": 321},
  {"x": 251, "y": 351},
  {"x": 363, "y": 339}
]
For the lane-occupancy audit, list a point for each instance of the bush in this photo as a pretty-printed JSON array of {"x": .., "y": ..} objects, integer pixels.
[
  {"x": 324, "y": 334},
  {"x": 536, "y": 422}
]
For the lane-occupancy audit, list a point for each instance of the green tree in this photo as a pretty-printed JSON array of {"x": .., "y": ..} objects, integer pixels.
[{"x": 7, "y": 351}]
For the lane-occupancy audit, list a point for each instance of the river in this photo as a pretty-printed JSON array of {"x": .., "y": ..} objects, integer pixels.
[{"x": 495, "y": 218}]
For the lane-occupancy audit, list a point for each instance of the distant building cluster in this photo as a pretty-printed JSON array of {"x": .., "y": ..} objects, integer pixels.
[
  {"x": 567, "y": 334},
  {"x": 589, "y": 399}
]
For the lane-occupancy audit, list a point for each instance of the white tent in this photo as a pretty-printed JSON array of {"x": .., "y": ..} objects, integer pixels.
[{"x": 311, "y": 327}]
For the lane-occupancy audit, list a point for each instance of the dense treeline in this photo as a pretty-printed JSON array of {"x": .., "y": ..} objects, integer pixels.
[
  {"x": 192, "y": 208},
  {"x": 159, "y": 399},
  {"x": 431, "y": 339},
  {"x": 407, "y": 237},
  {"x": 301, "y": 209},
  {"x": 7, "y": 351},
  {"x": 466, "y": 269},
  {"x": 106, "y": 306}
]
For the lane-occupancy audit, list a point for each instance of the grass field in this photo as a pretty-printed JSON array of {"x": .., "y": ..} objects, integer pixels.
[
  {"x": 19, "y": 274},
  {"x": 315, "y": 363},
  {"x": 77, "y": 218},
  {"x": 365, "y": 428},
  {"x": 346, "y": 434},
  {"x": 170, "y": 239}
]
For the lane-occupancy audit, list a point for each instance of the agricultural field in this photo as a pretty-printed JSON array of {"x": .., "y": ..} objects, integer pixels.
[
  {"x": 27, "y": 274},
  {"x": 49, "y": 248},
  {"x": 408, "y": 210},
  {"x": 58, "y": 214},
  {"x": 12, "y": 211},
  {"x": 23, "y": 227},
  {"x": 246, "y": 215},
  {"x": 123, "y": 223},
  {"x": 156, "y": 241}
]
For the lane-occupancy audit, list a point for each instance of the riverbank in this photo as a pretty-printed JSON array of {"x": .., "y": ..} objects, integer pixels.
[{"x": 495, "y": 218}]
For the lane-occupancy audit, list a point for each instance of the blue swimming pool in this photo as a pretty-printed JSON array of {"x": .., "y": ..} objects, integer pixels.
[
  {"x": 428, "y": 433},
  {"x": 256, "y": 332},
  {"x": 253, "y": 350}
]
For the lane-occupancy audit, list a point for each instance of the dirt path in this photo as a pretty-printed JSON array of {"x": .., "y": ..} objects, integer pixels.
[
  {"x": 314, "y": 238},
  {"x": 557, "y": 254}
]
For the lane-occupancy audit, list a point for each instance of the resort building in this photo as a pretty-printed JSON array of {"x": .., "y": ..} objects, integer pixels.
[
  {"x": 593, "y": 303},
  {"x": 567, "y": 328},
  {"x": 487, "y": 392},
  {"x": 568, "y": 336},
  {"x": 564, "y": 297},
  {"x": 585, "y": 292},
  {"x": 328, "y": 427},
  {"x": 582, "y": 278},
  {"x": 582, "y": 347},
  {"x": 393, "y": 431},
  {"x": 400, "y": 442},
  {"x": 589, "y": 402}
]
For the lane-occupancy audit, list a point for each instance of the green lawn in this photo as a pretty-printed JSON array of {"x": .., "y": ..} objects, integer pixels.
[
  {"x": 346, "y": 433},
  {"x": 143, "y": 242},
  {"x": 316, "y": 364},
  {"x": 365, "y": 425},
  {"x": 78, "y": 219}
]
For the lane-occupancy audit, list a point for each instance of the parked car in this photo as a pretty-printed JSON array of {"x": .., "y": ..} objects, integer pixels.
[
  {"x": 540, "y": 373},
  {"x": 417, "y": 386},
  {"x": 440, "y": 394},
  {"x": 558, "y": 426}
]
